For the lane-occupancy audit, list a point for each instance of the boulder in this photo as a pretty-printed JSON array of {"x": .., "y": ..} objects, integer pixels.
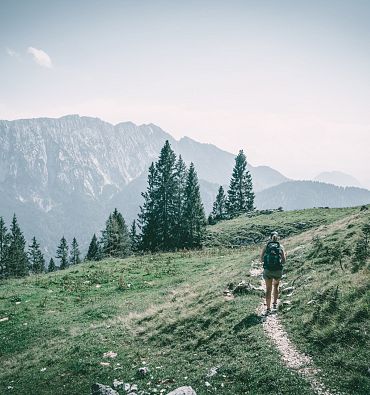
[
  {"x": 183, "y": 391},
  {"x": 243, "y": 287},
  {"x": 100, "y": 389}
]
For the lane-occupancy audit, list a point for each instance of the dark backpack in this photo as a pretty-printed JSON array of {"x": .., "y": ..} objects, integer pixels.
[{"x": 272, "y": 260}]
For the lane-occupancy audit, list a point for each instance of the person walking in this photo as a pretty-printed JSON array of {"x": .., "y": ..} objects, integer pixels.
[{"x": 273, "y": 257}]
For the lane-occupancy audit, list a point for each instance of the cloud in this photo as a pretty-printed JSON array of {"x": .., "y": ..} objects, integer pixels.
[
  {"x": 12, "y": 53},
  {"x": 40, "y": 57}
]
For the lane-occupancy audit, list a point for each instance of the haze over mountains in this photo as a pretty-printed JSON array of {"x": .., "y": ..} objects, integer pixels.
[{"x": 63, "y": 176}]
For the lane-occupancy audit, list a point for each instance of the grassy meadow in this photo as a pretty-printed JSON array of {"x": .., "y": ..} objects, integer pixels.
[{"x": 168, "y": 312}]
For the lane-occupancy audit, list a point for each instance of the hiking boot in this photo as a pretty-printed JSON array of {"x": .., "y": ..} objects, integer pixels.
[{"x": 267, "y": 312}]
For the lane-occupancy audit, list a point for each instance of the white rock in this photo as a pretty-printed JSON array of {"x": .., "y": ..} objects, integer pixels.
[{"x": 183, "y": 391}]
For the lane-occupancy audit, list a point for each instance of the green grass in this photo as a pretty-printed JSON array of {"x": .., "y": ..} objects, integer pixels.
[
  {"x": 165, "y": 311},
  {"x": 331, "y": 303},
  {"x": 243, "y": 230}
]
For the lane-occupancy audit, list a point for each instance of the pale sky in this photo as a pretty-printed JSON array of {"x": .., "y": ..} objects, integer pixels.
[{"x": 288, "y": 81}]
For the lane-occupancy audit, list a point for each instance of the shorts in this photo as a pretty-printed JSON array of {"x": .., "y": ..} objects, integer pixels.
[{"x": 272, "y": 274}]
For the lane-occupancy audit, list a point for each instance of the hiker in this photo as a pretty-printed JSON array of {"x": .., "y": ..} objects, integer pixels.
[{"x": 273, "y": 257}]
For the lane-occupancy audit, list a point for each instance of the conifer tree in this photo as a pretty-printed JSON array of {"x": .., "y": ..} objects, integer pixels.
[
  {"x": 36, "y": 258},
  {"x": 62, "y": 254},
  {"x": 135, "y": 239},
  {"x": 4, "y": 248},
  {"x": 115, "y": 237},
  {"x": 249, "y": 194},
  {"x": 180, "y": 179},
  {"x": 240, "y": 194},
  {"x": 51, "y": 267},
  {"x": 219, "y": 206},
  {"x": 165, "y": 198},
  {"x": 147, "y": 218},
  {"x": 93, "y": 253},
  {"x": 17, "y": 256},
  {"x": 74, "y": 257},
  {"x": 194, "y": 217}
]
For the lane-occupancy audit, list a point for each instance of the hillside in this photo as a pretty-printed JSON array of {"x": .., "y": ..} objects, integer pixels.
[
  {"x": 168, "y": 312},
  {"x": 297, "y": 195}
]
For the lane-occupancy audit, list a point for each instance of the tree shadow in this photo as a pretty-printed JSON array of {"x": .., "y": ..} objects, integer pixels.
[{"x": 247, "y": 322}]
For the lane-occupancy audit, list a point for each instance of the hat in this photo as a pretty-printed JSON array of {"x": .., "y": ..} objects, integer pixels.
[{"x": 274, "y": 233}]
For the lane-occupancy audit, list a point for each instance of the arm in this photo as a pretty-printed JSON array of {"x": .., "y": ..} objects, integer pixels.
[
  {"x": 262, "y": 253},
  {"x": 284, "y": 254}
]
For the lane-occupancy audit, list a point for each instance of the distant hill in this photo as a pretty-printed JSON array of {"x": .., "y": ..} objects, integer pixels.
[
  {"x": 294, "y": 195},
  {"x": 338, "y": 178}
]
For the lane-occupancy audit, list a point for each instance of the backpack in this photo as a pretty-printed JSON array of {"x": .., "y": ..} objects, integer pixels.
[{"x": 272, "y": 260}]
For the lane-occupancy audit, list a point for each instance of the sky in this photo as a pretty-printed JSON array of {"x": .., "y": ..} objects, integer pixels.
[{"x": 287, "y": 81}]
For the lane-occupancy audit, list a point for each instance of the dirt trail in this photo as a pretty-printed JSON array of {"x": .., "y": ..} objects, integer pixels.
[{"x": 291, "y": 357}]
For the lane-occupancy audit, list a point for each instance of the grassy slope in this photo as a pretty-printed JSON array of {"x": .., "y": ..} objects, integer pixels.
[
  {"x": 330, "y": 311},
  {"x": 173, "y": 317}
]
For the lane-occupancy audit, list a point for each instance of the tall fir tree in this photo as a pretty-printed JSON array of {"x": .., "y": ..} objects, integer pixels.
[
  {"x": 4, "y": 248},
  {"x": 62, "y": 254},
  {"x": 219, "y": 206},
  {"x": 36, "y": 258},
  {"x": 194, "y": 217},
  {"x": 249, "y": 192},
  {"x": 240, "y": 196},
  {"x": 51, "y": 266},
  {"x": 93, "y": 253},
  {"x": 115, "y": 237},
  {"x": 17, "y": 258},
  {"x": 165, "y": 198},
  {"x": 180, "y": 179},
  {"x": 74, "y": 255},
  {"x": 147, "y": 218}
]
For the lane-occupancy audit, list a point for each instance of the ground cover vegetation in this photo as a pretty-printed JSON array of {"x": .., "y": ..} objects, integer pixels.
[{"x": 167, "y": 311}]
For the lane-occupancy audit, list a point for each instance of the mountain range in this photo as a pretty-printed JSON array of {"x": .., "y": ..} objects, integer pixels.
[{"x": 63, "y": 176}]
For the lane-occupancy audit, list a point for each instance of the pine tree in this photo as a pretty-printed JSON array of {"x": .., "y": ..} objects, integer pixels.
[
  {"x": 240, "y": 194},
  {"x": 51, "y": 267},
  {"x": 115, "y": 237},
  {"x": 36, "y": 258},
  {"x": 62, "y": 254},
  {"x": 194, "y": 217},
  {"x": 135, "y": 239},
  {"x": 17, "y": 256},
  {"x": 165, "y": 198},
  {"x": 180, "y": 179},
  {"x": 249, "y": 192},
  {"x": 219, "y": 206},
  {"x": 93, "y": 253},
  {"x": 4, "y": 248},
  {"x": 74, "y": 257},
  {"x": 147, "y": 218}
]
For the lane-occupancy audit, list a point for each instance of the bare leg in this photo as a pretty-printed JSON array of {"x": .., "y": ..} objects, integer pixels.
[
  {"x": 275, "y": 291},
  {"x": 268, "y": 293}
]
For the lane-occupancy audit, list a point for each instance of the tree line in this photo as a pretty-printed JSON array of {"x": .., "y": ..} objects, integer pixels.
[
  {"x": 18, "y": 261},
  {"x": 171, "y": 217}
]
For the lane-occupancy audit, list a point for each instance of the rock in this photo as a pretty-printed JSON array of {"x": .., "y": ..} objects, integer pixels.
[
  {"x": 243, "y": 287},
  {"x": 143, "y": 371},
  {"x": 183, "y": 391},
  {"x": 287, "y": 290},
  {"x": 117, "y": 383},
  {"x": 100, "y": 389},
  {"x": 110, "y": 354},
  {"x": 133, "y": 388},
  {"x": 213, "y": 371}
]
